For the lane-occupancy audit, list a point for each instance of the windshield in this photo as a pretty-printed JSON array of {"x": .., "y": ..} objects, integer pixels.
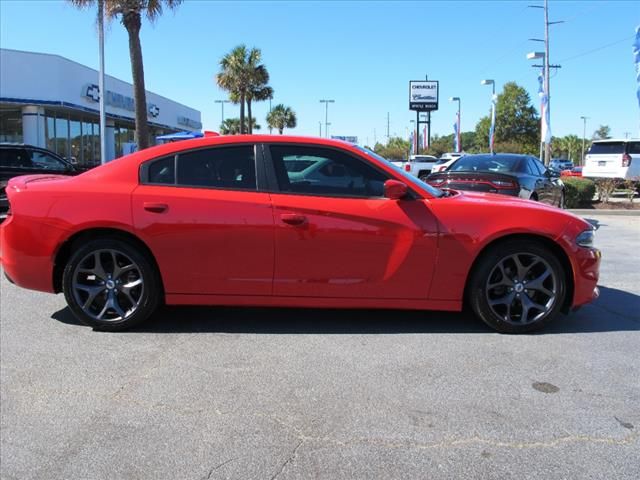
[
  {"x": 436, "y": 192},
  {"x": 486, "y": 163}
]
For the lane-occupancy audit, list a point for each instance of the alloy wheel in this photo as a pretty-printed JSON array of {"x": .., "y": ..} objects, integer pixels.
[
  {"x": 521, "y": 289},
  {"x": 108, "y": 285}
]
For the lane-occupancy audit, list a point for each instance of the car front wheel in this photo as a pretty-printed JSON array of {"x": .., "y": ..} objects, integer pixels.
[
  {"x": 517, "y": 287},
  {"x": 110, "y": 285}
]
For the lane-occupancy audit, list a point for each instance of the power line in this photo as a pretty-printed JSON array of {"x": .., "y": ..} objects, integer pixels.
[{"x": 597, "y": 49}]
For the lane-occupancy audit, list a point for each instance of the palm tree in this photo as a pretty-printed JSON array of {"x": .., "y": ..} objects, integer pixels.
[
  {"x": 282, "y": 117},
  {"x": 231, "y": 126},
  {"x": 258, "y": 90},
  {"x": 130, "y": 13},
  {"x": 243, "y": 76}
]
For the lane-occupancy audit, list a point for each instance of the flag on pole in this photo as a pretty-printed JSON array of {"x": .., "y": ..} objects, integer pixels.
[
  {"x": 545, "y": 131},
  {"x": 492, "y": 129},
  {"x": 412, "y": 141},
  {"x": 425, "y": 139},
  {"x": 636, "y": 57},
  {"x": 456, "y": 139}
]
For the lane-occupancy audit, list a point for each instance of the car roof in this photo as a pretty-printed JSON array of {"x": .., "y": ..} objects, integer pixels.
[{"x": 617, "y": 140}]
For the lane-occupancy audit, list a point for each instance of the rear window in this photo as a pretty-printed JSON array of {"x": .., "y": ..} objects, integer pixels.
[
  {"x": 487, "y": 163},
  {"x": 605, "y": 148}
]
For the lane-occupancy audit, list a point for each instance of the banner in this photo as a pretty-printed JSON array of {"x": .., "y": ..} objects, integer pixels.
[
  {"x": 636, "y": 57},
  {"x": 492, "y": 129},
  {"x": 545, "y": 130},
  {"x": 425, "y": 139}
]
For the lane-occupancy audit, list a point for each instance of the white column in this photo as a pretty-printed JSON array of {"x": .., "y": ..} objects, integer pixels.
[
  {"x": 33, "y": 126},
  {"x": 110, "y": 139}
]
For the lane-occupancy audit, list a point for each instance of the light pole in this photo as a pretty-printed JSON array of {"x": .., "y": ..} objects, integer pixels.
[
  {"x": 319, "y": 128},
  {"x": 458, "y": 146},
  {"x": 492, "y": 128},
  {"x": 326, "y": 115},
  {"x": 270, "y": 127},
  {"x": 101, "y": 87},
  {"x": 222, "y": 102},
  {"x": 584, "y": 135}
]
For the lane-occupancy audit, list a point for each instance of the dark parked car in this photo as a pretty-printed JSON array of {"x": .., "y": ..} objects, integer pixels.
[
  {"x": 509, "y": 174},
  {"x": 560, "y": 164},
  {"x": 18, "y": 159}
]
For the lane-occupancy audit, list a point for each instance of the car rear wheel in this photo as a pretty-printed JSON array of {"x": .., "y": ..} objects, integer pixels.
[
  {"x": 517, "y": 287},
  {"x": 111, "y": 286}
]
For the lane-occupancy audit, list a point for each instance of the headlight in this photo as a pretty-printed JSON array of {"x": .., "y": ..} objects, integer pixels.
[{"x": 586, "y": 238}]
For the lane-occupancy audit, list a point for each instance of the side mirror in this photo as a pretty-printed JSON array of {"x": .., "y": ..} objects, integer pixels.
[{"x": 395, "y": 190}]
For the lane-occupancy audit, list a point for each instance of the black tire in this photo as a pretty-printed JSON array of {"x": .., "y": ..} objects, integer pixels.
[
  {"x": 141, "y": 294},
  {"x": 505, "y": 320}
]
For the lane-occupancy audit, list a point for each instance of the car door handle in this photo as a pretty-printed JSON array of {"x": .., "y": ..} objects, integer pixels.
[
  {"x": 155, "y": 207},
  {"x": 293, "y": 218}
]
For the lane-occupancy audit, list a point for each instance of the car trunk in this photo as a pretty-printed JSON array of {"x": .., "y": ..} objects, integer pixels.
[{"x": 605, "y": 159}]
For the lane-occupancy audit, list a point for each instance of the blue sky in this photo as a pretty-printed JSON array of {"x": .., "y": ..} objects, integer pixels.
[{"x": 362, "y": 54}]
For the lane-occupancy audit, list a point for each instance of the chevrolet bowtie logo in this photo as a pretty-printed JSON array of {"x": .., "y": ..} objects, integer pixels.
[
  {"x": 154, "y": 110},
  {"x": 93, "y": 92}
]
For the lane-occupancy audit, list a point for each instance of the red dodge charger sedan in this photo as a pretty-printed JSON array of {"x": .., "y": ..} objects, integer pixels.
[{"x": 288, "y": 221}]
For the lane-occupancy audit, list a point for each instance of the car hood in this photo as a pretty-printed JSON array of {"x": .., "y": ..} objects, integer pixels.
[{"x": 518, "y": 210}]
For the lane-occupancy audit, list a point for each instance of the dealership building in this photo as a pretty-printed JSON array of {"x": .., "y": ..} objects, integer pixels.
[{"x": 53, "y": 102}]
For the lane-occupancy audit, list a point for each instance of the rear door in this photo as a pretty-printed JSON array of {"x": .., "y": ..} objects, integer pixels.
[
  {"x": 604, "y": 159},
  {"x": 207, "y": 224},
  {"x": 340, "y": 239}
]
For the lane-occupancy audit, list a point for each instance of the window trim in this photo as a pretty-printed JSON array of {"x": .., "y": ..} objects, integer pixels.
[
  {"x": 274, "y": 187},
  {"x": 143, "y": 170}
]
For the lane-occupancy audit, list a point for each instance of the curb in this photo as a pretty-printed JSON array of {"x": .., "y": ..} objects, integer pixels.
[{"x": 595, "y": 212}]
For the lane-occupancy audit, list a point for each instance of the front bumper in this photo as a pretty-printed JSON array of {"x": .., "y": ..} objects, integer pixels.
[{"x": 586, "y": 272}]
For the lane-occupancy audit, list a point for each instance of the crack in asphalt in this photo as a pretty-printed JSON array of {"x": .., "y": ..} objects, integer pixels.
[
  {"x": 213, "y": 469},
  {"x": 288, "y": 460}
]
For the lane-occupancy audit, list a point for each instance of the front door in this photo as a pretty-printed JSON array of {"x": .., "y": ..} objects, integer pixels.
[
  {"x": 337, "y": 236},
  {"x": 209, "y": 228}
]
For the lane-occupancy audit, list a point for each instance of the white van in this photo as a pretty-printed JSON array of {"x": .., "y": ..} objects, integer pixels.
[{"x": 613, "y": 159}]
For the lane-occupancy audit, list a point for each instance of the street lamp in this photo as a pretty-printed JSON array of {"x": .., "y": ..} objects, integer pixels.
[
  {"x": 222, "y": 102},
  {"x": 492, "y": 128},
  {"x": 457, "y": 99},
  {"x": 584, "y": 135},
  {"x": 326, "y": 115}
]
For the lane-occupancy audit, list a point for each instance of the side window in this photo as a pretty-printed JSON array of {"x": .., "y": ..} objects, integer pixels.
[
  {"x": 47, "y": 162},
  {"x": 15, "y": 158},
  {"x": 162, "y": 171},
  {"x": 322, "y": 171},
  {"x": 221, "y": 167},
  {"x": 633, "y": 148}
]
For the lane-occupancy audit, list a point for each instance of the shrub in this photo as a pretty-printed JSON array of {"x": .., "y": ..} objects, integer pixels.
[
  {"x": 578, "y": 192},
  {"x": 605, "y": 187}
]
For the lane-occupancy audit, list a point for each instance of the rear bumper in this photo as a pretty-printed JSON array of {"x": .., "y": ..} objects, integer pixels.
[{"x": 27, "y": 256}]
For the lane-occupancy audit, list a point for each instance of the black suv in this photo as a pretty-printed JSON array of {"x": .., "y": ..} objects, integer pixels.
[{"x": 17, "y": 159}]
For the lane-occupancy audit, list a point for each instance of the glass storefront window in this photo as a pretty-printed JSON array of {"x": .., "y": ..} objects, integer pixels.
[
  {"x": 75, "y": 141},
  {"x": 50, "y": 130},
  {"x": 62, "y": 136},
  {"x": 11, "y": 126},
  {"x": 87, "y": 143}
]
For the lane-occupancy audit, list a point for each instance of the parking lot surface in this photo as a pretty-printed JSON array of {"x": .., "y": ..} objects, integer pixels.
[{"x": 207, "y": 393}]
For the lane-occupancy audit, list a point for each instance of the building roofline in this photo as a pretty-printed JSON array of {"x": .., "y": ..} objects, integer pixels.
[{"x": 95, "y": 70}]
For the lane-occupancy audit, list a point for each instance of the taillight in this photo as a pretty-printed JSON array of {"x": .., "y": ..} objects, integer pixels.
[
  {"x": 503, "y": 184},
  {"x": 407, "y": 167},
  {"x": 626, "y": 160}
]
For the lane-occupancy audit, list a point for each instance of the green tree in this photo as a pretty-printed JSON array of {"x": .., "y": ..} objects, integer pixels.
[
  {"x": 517, "y": 123},
  {"x": 130, "y": 13},
  {"x": 396, "y": 148},
  {"x": 244, "y": 77},
  {"x": 281, "y": 117},
  {"x": 602, "y": 133},
  {"x": 568, "y": 146},
  {"x": 231, "y": 126}
]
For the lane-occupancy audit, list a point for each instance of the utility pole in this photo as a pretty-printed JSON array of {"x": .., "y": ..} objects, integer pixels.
[
  {"x": 270, "y": 127},
  {"x": 326, "y": 115},
  {"x": 584, "y": 135},
  {"x": 320, "y": 126},
  {"x": 101, "y": 87},
  {"x": 546, "y": 66}
]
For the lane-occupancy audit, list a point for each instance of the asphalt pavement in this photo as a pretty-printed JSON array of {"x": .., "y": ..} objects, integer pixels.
[{"x": 208, "y": 393}]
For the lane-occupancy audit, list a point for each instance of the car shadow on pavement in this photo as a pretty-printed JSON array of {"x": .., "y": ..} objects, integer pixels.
[{"x": 615, "y": 310}]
